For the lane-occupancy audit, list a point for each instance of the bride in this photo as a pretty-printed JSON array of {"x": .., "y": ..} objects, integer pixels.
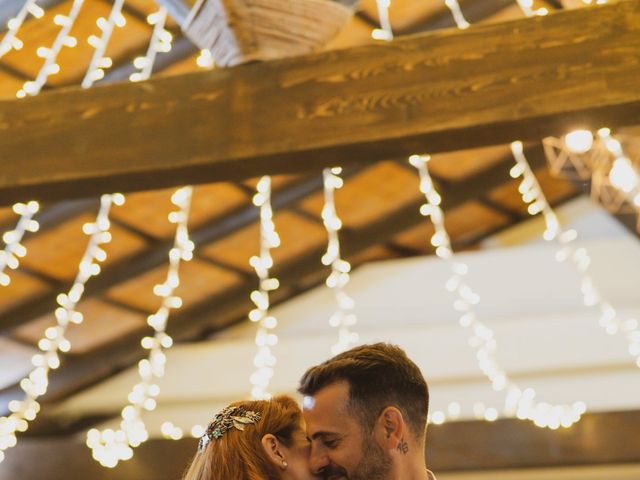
[{"x": 254, "y": 440}]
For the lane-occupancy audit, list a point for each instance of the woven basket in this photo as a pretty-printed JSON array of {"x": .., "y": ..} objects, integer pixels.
[{"x": 240, "y": 31}]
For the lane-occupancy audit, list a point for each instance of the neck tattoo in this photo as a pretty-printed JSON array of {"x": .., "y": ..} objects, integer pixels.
[{"x": 403, "y": 447}]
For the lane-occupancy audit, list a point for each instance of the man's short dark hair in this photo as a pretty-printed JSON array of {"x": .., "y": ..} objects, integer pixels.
[{"x": 379, "y": 375}]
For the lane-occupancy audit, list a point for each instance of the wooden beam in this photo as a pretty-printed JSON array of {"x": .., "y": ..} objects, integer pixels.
[
  {"x": 81, "y": 372},
  {"x": 435, "y": 92},
  {"x": 598, "y": 439}
]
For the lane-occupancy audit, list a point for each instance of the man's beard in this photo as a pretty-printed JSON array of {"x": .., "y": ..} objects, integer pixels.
[{"x": 375, "y": 464}]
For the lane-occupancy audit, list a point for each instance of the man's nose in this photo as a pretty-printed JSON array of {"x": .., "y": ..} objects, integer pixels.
[{"x": 317, "y": 461}]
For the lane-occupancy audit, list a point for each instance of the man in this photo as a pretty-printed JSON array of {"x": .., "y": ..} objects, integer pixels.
[{"x": 366, "y": 415}]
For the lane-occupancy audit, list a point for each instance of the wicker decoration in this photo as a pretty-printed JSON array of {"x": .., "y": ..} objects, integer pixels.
[{"x": 240, "y": 31}]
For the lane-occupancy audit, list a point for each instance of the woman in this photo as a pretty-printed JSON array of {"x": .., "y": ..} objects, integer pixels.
[{"x": 254, "y": 440}]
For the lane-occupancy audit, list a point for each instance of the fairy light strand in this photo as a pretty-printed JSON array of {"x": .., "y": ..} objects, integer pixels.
[
  {"x": 14, "y": 249},
  {"x": 622, "y": 174},
  {"x": 54, "y": 341},
  {"x": 160, "y": 43},
  {"x": 518, "y": 401},
  {"x": 264, "y": 360},
  {"x": 385, "y": 32},
  {"x": 205, "y": 59},
  {"x": 456, "y": 13},
  {"x": 527, "y": 8},
  {"x": 50, "y": 54},
  {"x": 344, "y": 318},
  {"x": 100, "y": 62},
  {"x": 108, "y": 446},
  {"x": 10, "y": 41},
  {"x": 533, "y": 195}
]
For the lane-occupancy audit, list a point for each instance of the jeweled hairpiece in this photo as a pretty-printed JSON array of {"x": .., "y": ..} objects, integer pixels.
[{"x": 228, "y": 418}]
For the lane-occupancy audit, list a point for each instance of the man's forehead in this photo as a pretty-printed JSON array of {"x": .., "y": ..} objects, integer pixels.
[
  {"x": 327, "y": 409},
  {"x": 333, "y": 397}
]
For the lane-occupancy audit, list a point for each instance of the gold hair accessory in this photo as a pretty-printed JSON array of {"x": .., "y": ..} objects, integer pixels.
[{"x": 228, "y": 418}]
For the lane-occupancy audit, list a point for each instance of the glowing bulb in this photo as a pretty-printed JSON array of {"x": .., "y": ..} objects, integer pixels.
[
  {"x": 579, "y": 141},
  {"x": 623, "y": 175}
]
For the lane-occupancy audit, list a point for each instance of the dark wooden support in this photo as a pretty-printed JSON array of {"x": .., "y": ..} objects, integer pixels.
[
  {"x": 221, "y": 310},
  {"x": 434, "y": 92},
  {"x": 598, "y": 439},
  {"x": 604, "y": 438},
  {"x": 628, "y": 218},
  {"x": 630, "y": 221}
]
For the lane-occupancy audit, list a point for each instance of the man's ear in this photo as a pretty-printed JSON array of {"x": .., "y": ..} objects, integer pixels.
[
  {"x": 391, "y": 429},
  {"x": 274, "y": 450}
]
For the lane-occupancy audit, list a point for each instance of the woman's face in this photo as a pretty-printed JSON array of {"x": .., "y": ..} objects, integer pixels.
[{"x": 298, "y": 458}]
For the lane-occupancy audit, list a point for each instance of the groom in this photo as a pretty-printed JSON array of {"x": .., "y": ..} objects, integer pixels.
[{"x": 366, "y": 415}]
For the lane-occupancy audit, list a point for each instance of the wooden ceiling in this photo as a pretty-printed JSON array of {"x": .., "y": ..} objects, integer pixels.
[{"x": 378, "y": 204}]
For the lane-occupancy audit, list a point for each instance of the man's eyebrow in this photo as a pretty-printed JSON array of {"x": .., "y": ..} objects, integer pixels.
[{"x": 321, "y": 434}]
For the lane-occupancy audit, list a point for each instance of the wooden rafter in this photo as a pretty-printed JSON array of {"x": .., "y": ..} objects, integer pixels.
[{"x": 435, "y": 92}]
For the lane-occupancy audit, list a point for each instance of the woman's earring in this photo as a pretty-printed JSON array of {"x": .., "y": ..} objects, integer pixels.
[{"x": 285, "y": 464}]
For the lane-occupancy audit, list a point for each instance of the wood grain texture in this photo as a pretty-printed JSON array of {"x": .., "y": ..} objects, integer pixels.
[{"x": 435, "y": 92}]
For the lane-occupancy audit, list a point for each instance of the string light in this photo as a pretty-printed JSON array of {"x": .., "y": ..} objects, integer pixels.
[
  {"x": 109, "y": 447},
  {"x": 344, "y": 318},
  {"x": 456, "y": 12},
  {"x": 205, "y": 59},
  {"x": 10, "y": 41},
  {"x": 14, "y": 250},
  {"x": 36, "y": 383},
  {"x": 160, "y": 43},
  {"x": 622, "y": 174},
  {"x": 518, "y": 401},
  {"x": 264, "y": 360},
  {"x": 615, "y": 181},
  {"x": 527, "y": 8},
  {"x": 385, "y": 32},
  {"x": 50, "y": 54},
  {"x": 534, "y": 196},
  {"x": 574, "y": 156},
  {"x": 100, "y": 62}
]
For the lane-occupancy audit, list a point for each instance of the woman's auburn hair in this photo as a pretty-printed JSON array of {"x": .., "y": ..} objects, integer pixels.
[{"x": 239, "y": 455}]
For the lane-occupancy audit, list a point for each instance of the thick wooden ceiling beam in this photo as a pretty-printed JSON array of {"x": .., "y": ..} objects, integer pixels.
[
  {"x": 598, "y": 439},
  {"x": 434, "y": 92}
]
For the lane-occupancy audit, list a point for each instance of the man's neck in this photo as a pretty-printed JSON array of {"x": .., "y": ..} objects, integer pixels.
[{"x": 412, "y": 470}]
